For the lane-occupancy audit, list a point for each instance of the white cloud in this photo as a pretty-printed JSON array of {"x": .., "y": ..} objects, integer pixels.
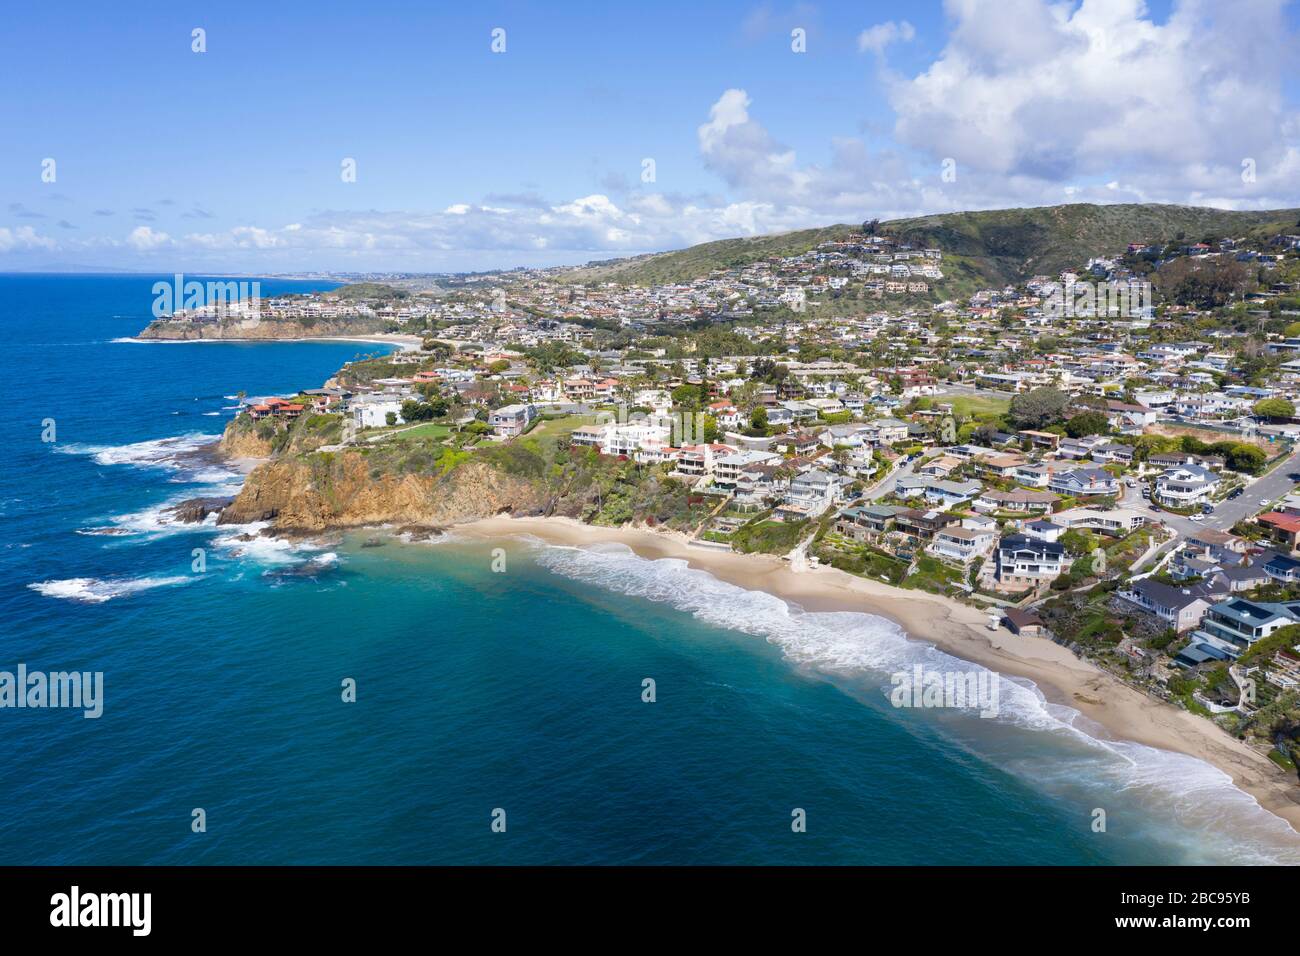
[
  {"x": 24, "y": 237},
  {"x": 145, "y": 239},
  {"x": 875, "y": 39},
  {"x": 1036, "y": 102},
  {"x": 1073, "y": 96}
]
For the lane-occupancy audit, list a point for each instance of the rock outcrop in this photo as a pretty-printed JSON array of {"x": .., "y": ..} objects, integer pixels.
[
  {"x": 241, "y": 440},
  {"x": 195, "y": 510},
  {"x": 265, "y": 330},
  {"x": 317, "y": 492}
]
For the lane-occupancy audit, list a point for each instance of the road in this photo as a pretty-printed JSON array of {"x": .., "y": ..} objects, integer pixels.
[
  {"x": 887, "y": 485},
  {"x": 1269, "y": 488}
]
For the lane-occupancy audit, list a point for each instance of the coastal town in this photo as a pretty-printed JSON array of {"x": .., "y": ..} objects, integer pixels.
[{"x": 1105, "y": 456}]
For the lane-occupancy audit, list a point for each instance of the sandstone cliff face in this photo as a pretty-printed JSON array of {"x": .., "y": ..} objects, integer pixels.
[
  {"x": 239, "y": 440},
  {"x": 338, "y": 491},
  {"x": 267, "y": 329}
]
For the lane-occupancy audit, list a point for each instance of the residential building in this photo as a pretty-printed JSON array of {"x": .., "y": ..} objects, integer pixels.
[
  {"x": 1025, "y": 562},
  {"x": 1186, "y": 485},
  {"x": 509, "y": 421}
]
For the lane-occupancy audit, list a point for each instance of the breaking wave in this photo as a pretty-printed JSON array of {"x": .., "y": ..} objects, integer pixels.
[
  {"x": 165, "y": 453},
  {"x": 1204, "y": 813},
  {"x": 97, "y": 590}
]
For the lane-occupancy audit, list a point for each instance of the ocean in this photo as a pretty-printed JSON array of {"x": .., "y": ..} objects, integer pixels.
[{"x": 481, "y": 696}]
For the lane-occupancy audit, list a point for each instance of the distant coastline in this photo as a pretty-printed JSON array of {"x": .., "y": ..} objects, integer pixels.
[{"x": 406, "y": 343}]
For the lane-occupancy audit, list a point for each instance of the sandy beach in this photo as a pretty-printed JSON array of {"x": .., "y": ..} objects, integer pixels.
[{"x": 1120, "y": 711}]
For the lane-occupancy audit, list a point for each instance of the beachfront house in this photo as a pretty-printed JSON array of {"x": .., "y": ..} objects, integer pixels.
[
  {"x": 1232, "y": 626},
  {"x": 961, "y": 545},
  {"x": 728, "y": 469},
  {"x": 814, "y": 491},
  {"x": 1025, "y": 562},
  {"x": 1180, "y": 608}
]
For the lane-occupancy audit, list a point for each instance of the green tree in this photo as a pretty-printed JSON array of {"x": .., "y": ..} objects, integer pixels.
[
  {"x": 1039, "y": 407},
  {"x": 1087, "y": 423},
  {"x": 1245, "y": 458},
  {"x": 1274, "y": 408},
  {"x": 687, "y": 396}
]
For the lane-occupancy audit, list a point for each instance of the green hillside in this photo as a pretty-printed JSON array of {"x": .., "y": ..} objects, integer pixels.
[
  {"x": 992, "y": 247},
  {"x": 369, "y": 291},
  {"x": 702, "y": 259}
]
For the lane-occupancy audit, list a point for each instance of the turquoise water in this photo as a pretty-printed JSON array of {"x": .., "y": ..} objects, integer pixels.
[{"x": 476, "y": 690}]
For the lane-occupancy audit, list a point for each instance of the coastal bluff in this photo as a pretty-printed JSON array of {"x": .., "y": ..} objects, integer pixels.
[
  {"x": 171, "y": 330},
  {"x": 323, "y": 491}
]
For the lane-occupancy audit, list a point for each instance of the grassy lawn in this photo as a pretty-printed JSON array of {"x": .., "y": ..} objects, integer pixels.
[
  {"x": 1281, "y": 759},
  {"x": 426, "y": 430},
  {"x": 558, "y": 428},
  {"x": 978, "y": 406}
]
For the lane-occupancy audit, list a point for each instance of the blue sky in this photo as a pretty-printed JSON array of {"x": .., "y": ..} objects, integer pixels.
[{"x": 231, "y": 159}]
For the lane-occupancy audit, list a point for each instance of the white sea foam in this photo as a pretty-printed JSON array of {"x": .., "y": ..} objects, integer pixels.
[
  {"x": 1225, "y": 823},
  {"x": 408, "y": 537},
  {"x": 268, "y": 550},
  {"x": 167, "y": 453},
  {"x": 97, "y": 590},
  {"x": 214, "y": 475}
]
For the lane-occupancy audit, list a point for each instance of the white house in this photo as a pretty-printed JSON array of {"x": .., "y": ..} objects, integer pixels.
[
  {"x": 961, "y": 544},
  {"x": 1186, "y": 485},
  {"x": 814, "y": 490},
  {"x": 727, "y": 469},
  {"x": 374, "y": 413}
]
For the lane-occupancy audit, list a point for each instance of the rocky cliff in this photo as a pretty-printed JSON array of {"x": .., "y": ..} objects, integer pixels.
[
  {"x": 240, "y": 440},
  {"x": 317, "y": 492},
  {"x": 266, "y": 329}
]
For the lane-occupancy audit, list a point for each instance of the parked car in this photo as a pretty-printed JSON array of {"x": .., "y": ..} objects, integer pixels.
[
  {"x": 1207, "y": 509},
  {"x": 1236, "y": 493}
]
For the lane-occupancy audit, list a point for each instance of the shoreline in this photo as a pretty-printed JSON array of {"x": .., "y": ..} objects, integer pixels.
[
  {"x": 1121, "y": 711},
  {"x": 404, "y": 343}
]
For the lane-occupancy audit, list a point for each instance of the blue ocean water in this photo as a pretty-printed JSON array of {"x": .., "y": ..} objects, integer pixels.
[{"x": 476, "y": 690}]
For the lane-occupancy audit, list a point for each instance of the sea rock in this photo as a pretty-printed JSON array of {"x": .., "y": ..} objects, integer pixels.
[
  {"x": 416, "y": 532},
  {"x": 195, "y": 510}
]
